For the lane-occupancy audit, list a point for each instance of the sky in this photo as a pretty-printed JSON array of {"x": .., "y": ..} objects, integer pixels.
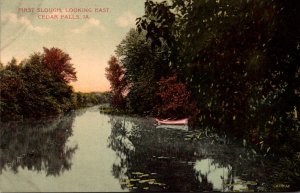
[{"x": 29, "y": 25}]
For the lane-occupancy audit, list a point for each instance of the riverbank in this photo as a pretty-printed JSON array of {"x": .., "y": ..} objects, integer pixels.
[{"x": 286, "y": 175}]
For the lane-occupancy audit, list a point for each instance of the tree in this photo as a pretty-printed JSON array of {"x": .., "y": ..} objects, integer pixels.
[
  {"x": 240, "y": 60},
  {"x": 1, "y": 66},
  {"x": 59, "y": 62},
  {"x": 115, "y": 74},
  {"x": 31, "y": 89},
  {"x": 175, "y": 98},
  {"x": 46, "y": 92},
  {"x": 144, "y": 68},
  {"x": 11, "y": 90}
]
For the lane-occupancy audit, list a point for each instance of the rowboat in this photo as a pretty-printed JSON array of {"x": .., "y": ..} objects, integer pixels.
[
  {"x": 172, "y": 122},
  {"x": 173, "y": 127}
]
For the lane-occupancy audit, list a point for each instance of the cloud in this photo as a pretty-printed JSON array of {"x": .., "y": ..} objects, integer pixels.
[
  {"x": 24, "y": 21},
  {"x": 90, "y": 23},
  {"x": 127, "y": 19}
]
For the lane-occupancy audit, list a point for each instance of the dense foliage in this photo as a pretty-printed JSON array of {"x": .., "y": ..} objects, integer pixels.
[
  {"x": 241, "y": 61},
  {"x": 58, "y": 62},
  {"x": 31, "y": 89},
  {"x": 176, "y": 100},
  {"x": 238, "y": 59},
  {"x": 115, "y": 74},
  {"x": 91, "y": 99},
  {"x": 38, "y": 86},
  {"x": 144, "y": 67}
]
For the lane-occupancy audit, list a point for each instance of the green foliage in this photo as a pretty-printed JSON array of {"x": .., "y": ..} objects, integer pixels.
[
  {"x": 90, "y": 99},
  {"x": 241, "y": 61},
  {"x": 144, "y": 68},
  {"x": 118, "y": 84},
  {"x": 31, "y": 89}
]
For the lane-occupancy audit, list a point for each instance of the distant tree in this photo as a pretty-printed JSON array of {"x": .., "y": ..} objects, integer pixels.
[
  {"x": 12, "y": 65},
  {"x": 115, "y": 74},
  {"x": 1, "y": 66},
  {"x": 59, "y": 62}
]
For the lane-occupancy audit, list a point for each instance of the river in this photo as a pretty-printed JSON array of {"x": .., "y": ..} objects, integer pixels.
[{"x": 89, "y": 151}]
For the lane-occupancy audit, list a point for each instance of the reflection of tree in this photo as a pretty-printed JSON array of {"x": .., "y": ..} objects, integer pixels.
[
  {"x": 213, "y": 174},
  {"x": 207, "y": 164},
  {"x": 157, "y": 153},
  {"x": 37, "y": 145},
  {"x": 119, "y": 142},
  {"x": 230, "y": 167}
]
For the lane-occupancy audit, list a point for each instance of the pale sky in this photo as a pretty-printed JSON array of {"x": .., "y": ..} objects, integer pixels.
[{"x": 90, "y": 42}]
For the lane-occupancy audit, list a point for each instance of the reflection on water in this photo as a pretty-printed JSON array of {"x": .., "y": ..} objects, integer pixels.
[
  {"x": 89, "y": 151},
  {"x": 157, "y": 159},
  {"x": 37, "y": 145},
  {"x": 63, "y": 154},
  {"x": 212, "y": 173}
]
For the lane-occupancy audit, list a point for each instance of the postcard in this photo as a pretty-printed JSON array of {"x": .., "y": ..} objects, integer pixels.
[{"x": 149, "y": 95}]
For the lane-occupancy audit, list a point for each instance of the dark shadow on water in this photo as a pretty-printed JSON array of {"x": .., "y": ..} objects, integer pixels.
[
  {"x": 37, "y": 145},
  {"x": 171, "y": 160}
]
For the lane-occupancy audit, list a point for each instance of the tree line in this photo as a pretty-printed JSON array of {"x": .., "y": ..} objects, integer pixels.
[
  {"x": 39, "y": 86},
  {"x": 230, "y": 65}
]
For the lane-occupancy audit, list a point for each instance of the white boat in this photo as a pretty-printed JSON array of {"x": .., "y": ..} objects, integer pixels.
[
  {"x": 172, "y": 122},
  {"x": 176, "y": 127}
]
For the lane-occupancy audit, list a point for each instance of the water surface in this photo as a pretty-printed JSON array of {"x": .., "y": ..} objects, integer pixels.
[{"x": 89, "y": 151}]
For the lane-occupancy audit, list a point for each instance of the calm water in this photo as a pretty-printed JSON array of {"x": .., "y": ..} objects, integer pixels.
[{"x": 89, "y": 151}]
